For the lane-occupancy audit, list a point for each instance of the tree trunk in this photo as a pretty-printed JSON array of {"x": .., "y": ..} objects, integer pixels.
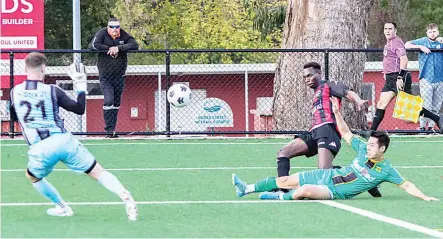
[{"x": 320, "y": 24}]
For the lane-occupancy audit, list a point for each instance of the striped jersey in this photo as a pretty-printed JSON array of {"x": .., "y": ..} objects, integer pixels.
[
  {"x": 36, "y": 107},
  {"x": 322, "y": 106},
  {"x": 363, "y": 173}
]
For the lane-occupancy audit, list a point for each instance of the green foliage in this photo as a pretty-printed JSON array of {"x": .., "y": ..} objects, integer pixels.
[
  {"x": 58, "y": 21},
  {"x": 268, "y": 16},
  {"x": 58, "y": 24},
  {"x": 194, "y": 24},
  {"x": 424, "y": 12}
]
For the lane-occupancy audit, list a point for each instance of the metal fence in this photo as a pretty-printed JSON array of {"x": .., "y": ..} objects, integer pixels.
[{"x": 234, "y": 92}]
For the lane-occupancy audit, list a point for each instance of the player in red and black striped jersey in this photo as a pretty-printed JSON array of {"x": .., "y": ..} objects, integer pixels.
[{"x": 323, "y": 138}]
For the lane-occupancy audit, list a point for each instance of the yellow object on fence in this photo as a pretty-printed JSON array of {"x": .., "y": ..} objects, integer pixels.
[{"x": 407, "y": 107}]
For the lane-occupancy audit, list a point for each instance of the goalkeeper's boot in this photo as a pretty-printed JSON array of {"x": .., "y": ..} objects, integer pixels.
[
  {"x": 271, "y": 195},
  {"x": 59, "y": 211},
  {"x": 131, "y": 207},
  {"x": 240, "y": 187}
]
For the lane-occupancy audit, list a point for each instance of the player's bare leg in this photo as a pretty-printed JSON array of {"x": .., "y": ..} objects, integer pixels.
[
  {"x": 290, "y": 183},
  {"x": 325, "y": 158},
  {"x": 296, "y": 147},
  {"x": 110, "y": 182},
  {"x": 45, "y": 188},
  {"x": 318, "y": 192},
  {"x": 314, "y": 192}
]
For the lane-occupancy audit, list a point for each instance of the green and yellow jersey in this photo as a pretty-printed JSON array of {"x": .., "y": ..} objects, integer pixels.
[{"x": 363, "y": 173}]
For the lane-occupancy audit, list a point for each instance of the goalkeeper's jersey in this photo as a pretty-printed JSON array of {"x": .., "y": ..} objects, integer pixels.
[
  {"x": 363, "y": 174},
  {"x": 36, "y": 107}
]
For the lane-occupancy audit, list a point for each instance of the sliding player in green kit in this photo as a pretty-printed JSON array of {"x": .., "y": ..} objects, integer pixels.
[{"x": 367, "y": 170}]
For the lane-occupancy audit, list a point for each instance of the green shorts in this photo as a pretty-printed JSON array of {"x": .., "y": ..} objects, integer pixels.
[{"x": 320, "y": 177}]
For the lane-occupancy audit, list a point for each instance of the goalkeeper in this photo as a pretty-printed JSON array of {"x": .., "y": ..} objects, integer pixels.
[
  {"x": 395, "y": 62},
  {"x": 367, "y": 170},
  {"x": 35, "y": 106}
]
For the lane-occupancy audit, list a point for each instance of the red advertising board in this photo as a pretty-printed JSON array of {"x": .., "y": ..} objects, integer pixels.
[{"x": 22, "y": 27}]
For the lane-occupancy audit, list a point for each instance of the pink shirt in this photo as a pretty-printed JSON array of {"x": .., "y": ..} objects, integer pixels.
[{"x": 394, "y": 49}]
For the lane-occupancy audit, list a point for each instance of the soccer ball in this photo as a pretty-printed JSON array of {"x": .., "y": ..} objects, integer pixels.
[{"x": 179, "y": 95}]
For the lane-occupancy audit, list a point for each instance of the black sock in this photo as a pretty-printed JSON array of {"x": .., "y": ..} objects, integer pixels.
[
  {"x": 337, "y": 166},
  {"x": 379, "y": 114},
  {"x": 114, "y": 118},
  {"x": 283, "y": 166},
  {"x": 428, "y": 114},
  {"x": 107, "y": 115}
]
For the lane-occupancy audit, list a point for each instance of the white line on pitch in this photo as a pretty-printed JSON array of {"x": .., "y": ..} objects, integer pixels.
[
  {"x": 168, "y": 143},
  {"x": 167, "y": 169},
  {"x": 156, "y": 202},
  {"x": 382, "y": 218},
  {"x": 362, "y": 212},
  {"x": 213, "y": 143},
  {"x": 208, "y": 168}
]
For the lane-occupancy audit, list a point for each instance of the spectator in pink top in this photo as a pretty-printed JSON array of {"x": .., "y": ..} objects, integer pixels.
[{"x": 395, "y": 62}]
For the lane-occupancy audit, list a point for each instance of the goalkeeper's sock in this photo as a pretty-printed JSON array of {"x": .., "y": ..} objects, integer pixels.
[
  {"x": 379, "y": 115},
  {"x": 288, "y": 195},
  {"x": 110, "y": 182},
  {"x": 428, "y": 114},
  {"x": 46, "y": 189},
  {"x": 266, "y": 185}
]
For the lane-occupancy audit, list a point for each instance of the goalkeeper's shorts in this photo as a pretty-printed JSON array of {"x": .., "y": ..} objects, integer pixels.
[{"x": 64, "y": 147}]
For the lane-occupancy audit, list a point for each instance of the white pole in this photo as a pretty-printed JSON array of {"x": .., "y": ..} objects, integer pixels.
[
  {"x": 246, "y": 103},
  {"x": 76, "y": 40},
  {"x": 160, "y": 112},
  {"x": 76, "y": 29}
]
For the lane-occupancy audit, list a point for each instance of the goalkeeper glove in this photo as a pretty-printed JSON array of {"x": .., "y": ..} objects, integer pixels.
[{"x": 78, "y": 75}]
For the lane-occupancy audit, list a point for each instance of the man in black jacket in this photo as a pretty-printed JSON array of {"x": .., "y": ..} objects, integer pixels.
[{"x": 112, "y": 67}]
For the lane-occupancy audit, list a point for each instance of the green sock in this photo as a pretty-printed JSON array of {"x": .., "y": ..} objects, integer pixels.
[
  {"x": 266, "y": 185},
  {"x": 288, "y": 195}
]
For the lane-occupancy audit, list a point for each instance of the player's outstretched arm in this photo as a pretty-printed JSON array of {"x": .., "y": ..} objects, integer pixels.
[
  {"x": 341, "y": 124},
  {"x": 414, "y": 191},
  {"x": 354, "y": 97}
]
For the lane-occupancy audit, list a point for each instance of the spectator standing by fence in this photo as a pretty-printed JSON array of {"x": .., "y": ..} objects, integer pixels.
[
  {"x": 431, "y": 72},
  {"x": 112, "y": 67},
  {"x": 397, "y": 77}
]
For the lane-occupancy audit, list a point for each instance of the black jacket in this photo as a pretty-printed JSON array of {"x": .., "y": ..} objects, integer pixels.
[{"x": 106, "y": 64}]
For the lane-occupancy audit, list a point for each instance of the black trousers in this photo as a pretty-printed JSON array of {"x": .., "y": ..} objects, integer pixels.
[{"x": 112, "y": 88}]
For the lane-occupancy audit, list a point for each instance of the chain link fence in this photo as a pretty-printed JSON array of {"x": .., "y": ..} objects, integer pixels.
[{"x": 234, "y": 92}]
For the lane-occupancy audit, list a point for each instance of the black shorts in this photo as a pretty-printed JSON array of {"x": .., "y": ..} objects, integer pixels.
[
  {"x": 391, "y": 83},
  {"x": 325, "y": 136}
]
